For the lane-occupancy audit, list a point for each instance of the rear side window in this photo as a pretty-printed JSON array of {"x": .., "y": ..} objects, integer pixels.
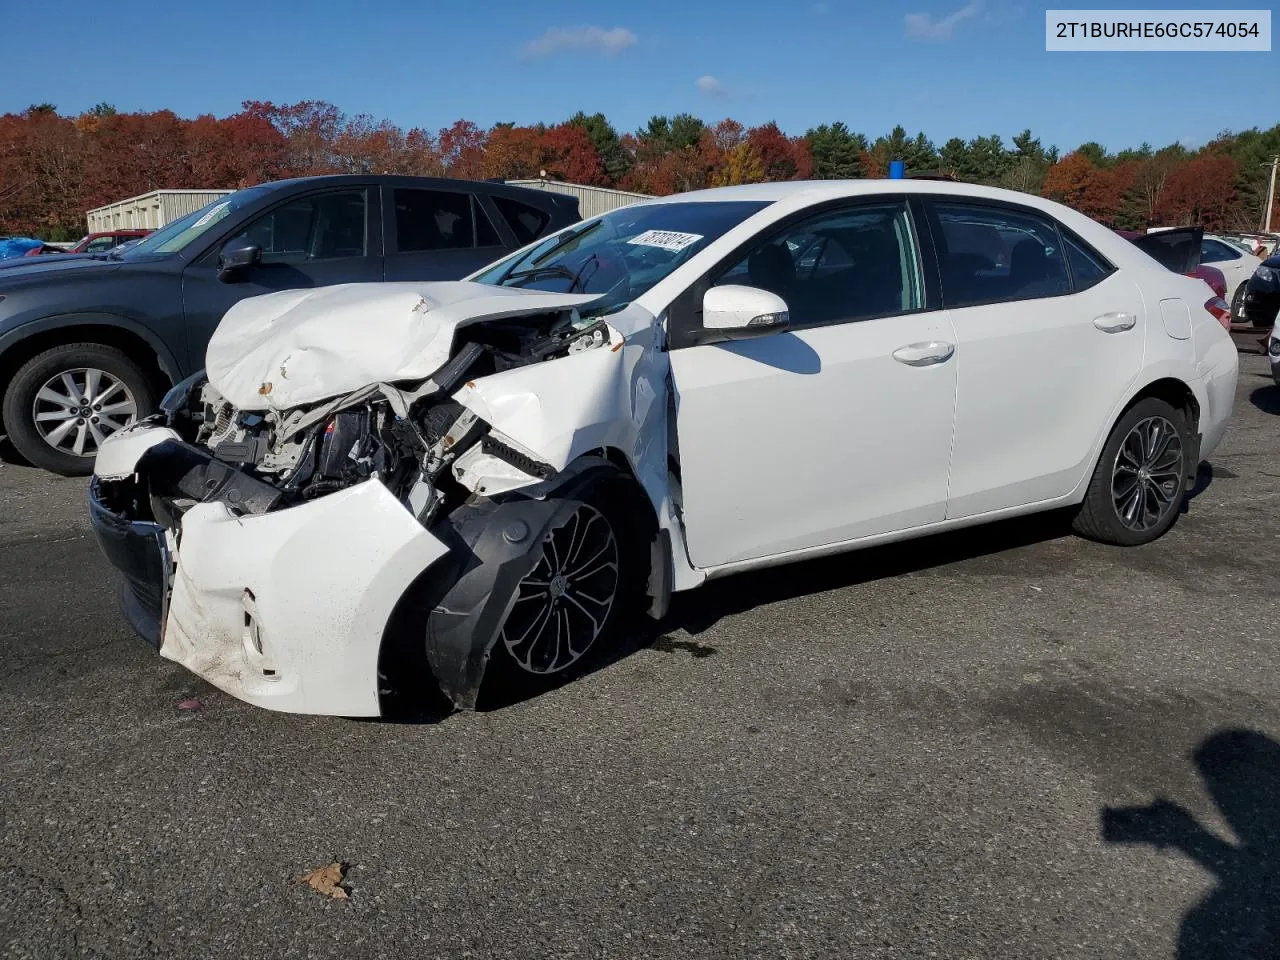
[
  {"x": 1087, "y": 268},
  {"x": 526, "y": 222},
  {"x": 991, "y": 254},
  {"x": 433, "y": 220},
  {"x": 1214, "y": 251}
]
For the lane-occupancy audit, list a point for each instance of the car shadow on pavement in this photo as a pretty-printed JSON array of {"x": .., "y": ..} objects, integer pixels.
[
  {"x": 1240, "y": 917},
  {"x": 1266, "y": 399},
  {"x": 9, "y": 453}
]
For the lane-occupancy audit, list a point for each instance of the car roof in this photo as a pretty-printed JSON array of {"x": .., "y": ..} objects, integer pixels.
[
  {"x": 817, "y": 190},
  {"x": 436, "y": 183}
]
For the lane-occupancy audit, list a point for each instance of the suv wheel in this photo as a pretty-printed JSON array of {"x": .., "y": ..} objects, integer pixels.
[{"x": 62, "y": 403}]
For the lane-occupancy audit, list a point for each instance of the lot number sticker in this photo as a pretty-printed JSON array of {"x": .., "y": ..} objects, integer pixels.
[{"x": 666, "y": 239}]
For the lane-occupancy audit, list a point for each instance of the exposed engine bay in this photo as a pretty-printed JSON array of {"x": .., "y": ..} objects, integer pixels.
[{"x": 406, "y": 435}]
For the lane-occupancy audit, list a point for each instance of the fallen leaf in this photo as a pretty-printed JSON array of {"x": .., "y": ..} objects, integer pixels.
[
  {"x": 327, "y": 880},
  {"x": 192, "y": 704}
]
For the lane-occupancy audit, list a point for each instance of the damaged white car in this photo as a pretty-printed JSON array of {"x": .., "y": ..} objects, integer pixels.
[{"x": 376, "y": 485}]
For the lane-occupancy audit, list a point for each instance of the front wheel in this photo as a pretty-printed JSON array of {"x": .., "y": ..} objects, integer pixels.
[
  {"x": 1237, "y": 305},
  {"x": 62, "y": 403},
  {"x": 567, "y": 601},
  {"x": 1140, "y": 481}
]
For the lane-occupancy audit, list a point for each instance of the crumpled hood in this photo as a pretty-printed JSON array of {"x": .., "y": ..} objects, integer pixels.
[{"x": 297, "y": 347}]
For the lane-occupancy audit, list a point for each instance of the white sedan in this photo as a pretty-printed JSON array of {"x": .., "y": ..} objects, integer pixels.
[
  {"x": 376, "y": 485},
  {"x": 1237, "y": 266}
]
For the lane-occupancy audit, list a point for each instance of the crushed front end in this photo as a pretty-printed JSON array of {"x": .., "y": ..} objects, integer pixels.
[{"x": 267, "y": 550}]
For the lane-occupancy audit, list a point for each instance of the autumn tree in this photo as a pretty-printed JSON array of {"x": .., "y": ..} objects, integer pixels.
[{"x": 1200, "y": 191}]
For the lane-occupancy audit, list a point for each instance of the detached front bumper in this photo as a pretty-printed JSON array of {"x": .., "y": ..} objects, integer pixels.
[{"x": 285, "y": 610}]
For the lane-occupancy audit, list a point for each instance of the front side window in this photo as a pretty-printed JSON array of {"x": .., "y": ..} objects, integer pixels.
[
  {"x": 989, "y": 254},
  {"x": 622, "y": 253},
  {"x": 849, "y": 264},
  {"x": 324, "y": 226}
]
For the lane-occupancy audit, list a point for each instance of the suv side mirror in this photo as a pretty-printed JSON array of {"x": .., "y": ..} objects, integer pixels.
[
  {"x": 740, "y": 313},
  {"x": 233, "y": 259}
]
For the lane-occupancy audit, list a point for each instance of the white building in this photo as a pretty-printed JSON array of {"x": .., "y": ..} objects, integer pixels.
[
  {"x": 150, "y": 211},
  {"x": 591, "y": 200}
]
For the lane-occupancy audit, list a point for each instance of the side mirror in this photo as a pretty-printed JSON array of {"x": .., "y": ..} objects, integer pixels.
[
  {"x": 237, "y": 257},
  {"x": 740, "y": 313}
]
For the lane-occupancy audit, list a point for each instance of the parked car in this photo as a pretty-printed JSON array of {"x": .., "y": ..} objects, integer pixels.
[
  {"x": 90, "y": 341},
  {"x": 106, "y": 240},
  {"x": 1178, "y": 249},
  {"x": 1262, "y": 295},
  {"x": 375, "y": 484},
  {"x": 1236, "y": 266}
]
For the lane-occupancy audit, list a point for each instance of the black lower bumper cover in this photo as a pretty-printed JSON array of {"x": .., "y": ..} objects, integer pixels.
[{"x": 137, "y": 549}]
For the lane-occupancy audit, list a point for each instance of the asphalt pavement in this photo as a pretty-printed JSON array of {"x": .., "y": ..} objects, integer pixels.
[{"x": 916, "y": 751}]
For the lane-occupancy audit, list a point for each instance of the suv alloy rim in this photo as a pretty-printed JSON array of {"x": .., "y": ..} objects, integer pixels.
[{"x": 77, "y": 409}]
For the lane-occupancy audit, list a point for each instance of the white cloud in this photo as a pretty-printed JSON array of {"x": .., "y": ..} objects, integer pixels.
[
  {"x": 713, "y": 88},
  {"x": 608, "y": 43},
  {"x": 924, "y": 26}
]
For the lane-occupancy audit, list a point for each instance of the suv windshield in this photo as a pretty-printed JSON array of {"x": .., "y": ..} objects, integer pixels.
[
  {"x": 622, "y": 253},
  {"x": 175, "y": 236}
]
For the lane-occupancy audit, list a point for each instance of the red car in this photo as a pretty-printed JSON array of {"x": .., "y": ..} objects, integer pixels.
[{"x": 94, "y": 242}]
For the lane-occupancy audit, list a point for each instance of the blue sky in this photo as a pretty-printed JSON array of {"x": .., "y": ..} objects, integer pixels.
[{"x": 949, "y": 67}]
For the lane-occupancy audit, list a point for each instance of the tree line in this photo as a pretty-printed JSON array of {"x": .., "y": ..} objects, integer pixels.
[{"x": 54, "y": 167}]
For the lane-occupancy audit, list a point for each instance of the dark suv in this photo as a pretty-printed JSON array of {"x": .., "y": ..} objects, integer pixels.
[{"x": 89, "y": 342}]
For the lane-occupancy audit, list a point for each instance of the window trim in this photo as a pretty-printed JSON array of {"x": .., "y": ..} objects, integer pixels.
[
  {"x": 931, "y": 202},
  {"x": 684, "y": 315}
]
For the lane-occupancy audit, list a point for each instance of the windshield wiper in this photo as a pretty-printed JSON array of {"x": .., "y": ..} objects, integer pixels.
[{"x": 537, "y": 273}]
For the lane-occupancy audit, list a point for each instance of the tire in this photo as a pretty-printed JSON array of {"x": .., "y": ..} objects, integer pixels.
[
  {"x": 1237, "y": 306},
  {"x": 588, "y": 568},
  {"x": 1139, "y": 484},
  {"x": 40, "y": 411}
]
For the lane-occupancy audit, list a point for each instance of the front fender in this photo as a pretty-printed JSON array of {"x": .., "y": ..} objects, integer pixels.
[{"x": 16, "y": 332}]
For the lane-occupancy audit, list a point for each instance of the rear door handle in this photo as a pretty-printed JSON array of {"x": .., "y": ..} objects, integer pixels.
[
  {"x": 1115, "y": 322},
  {"x": 924, "y": 354}
]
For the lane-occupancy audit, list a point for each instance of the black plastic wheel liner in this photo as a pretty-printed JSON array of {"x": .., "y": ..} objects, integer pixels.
[{"x": 494, "y": 544}]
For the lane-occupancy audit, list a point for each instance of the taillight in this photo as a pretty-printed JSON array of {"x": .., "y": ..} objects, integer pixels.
[{"x": 1221, "y": 312}]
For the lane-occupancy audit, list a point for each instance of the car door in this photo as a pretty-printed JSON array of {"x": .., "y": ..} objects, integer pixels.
[
  {"x": 313, "y": 240},
  {"x": 835, "y": 429},
  {"x": 1047, "y": 344},
  {"x": 1236, "y": 266},
  {"x": 437, "y": 234}
]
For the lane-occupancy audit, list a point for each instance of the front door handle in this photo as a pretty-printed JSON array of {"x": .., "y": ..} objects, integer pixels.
[
  {"x": 924, "y": 354},
  {"x": 1115, "y": 322}
]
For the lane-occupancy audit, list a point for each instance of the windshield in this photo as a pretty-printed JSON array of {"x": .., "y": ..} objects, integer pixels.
[
  {"x": 622, "y": 253},
  {"x": 175, "y": 236}
]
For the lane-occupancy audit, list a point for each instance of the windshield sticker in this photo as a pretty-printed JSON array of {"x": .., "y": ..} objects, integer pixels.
[
  {"x": 666, "y": 239},
  {"x": 220, "y": 208}
]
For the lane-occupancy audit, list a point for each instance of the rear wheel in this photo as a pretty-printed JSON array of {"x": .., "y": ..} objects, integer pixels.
[
  {"x": 62, "y": 403},
  {"x": 1140, "y": 481}
]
